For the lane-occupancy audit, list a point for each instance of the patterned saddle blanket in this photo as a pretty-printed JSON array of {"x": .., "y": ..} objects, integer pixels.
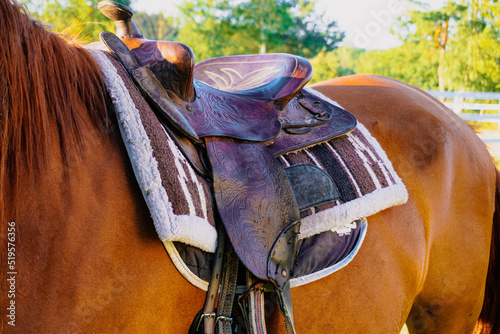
[{"x": 181, "y": 204}]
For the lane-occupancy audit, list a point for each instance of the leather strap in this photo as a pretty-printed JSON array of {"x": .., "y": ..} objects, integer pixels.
[
  {"x": 282, "y": 255},
  {"x": 285, "y": 303},
  {"x": 204, "y": 322},
  {"x": 222, "y": 284},
  {"x": 281, "y": 261},
  {"x": 252, "y": 304},
  {"x": 224, "y": 312}
]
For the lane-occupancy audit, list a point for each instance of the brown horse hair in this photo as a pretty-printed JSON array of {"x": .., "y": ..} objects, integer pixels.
[
  {"x": 489, "y": 319},
  {"x": 45, "y": 85}
]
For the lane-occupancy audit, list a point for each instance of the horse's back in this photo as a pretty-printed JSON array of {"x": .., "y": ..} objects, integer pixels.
[
  {"x": 441, "y": 237},
  {"x": 89, "y": 259}
]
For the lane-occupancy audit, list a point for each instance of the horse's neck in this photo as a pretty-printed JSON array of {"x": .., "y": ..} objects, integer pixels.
[{"x": 86, "y": 244}]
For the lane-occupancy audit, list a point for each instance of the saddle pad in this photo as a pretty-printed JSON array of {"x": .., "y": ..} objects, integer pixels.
[
  {"x": 180, "y": 201},
  {"x": 317, "y": 256}
]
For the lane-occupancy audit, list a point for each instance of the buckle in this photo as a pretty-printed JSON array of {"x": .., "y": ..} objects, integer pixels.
[
  {"x": 205, "y": 315},
  {"x": 224, "y": 318}
]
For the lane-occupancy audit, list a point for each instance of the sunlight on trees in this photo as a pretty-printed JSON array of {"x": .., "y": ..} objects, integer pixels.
[
  {"x": 456, "y": 47},
  {"x": 78, "y": 18},
  {"x": 223, "y": 27}
]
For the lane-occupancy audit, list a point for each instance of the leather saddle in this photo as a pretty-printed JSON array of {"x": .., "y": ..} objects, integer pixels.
[{"x": 231, "y": 117}]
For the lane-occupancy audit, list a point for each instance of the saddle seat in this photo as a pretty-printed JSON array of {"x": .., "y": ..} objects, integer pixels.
[{"x": 273, "y": 77}]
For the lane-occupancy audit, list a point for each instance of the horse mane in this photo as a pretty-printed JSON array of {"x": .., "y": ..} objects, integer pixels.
[{"x": 45, "y": 84}]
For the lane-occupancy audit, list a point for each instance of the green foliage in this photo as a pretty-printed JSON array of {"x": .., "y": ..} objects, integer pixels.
[
  {"x": 339, "y": 62},
  {"x": 77, "y": 18},
  {"x": 414, "y": 63},
  {"x": 156, "y": 26},
  {"x": 456, "y": 47},
  {"x": 433, "y": 26},
  {"x": 82, "y": 20},
  {"x": 222, "y": 27},
  {"x": 473, "y": 61},
  {"x": 467, "y": 38}
]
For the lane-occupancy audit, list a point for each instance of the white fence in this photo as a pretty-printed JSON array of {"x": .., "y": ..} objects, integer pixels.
[{"x": 457, "y": 101}]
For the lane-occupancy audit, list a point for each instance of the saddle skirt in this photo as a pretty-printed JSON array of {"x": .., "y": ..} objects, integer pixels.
[{"x": 180, "y": 201}]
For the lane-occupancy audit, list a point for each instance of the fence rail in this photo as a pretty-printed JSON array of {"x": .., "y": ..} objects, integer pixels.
[{"x": 468, "y": 110}]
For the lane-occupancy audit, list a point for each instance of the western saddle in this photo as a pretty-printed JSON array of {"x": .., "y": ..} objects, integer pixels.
[{"x": 241, "y": 112}]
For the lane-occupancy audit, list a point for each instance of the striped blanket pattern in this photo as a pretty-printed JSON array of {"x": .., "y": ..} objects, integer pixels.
[{"x": 180, "y": 200}]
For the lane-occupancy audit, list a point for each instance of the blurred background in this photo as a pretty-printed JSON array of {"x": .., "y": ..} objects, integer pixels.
[
  {"x": 450, "y": 48},
  {"x": 436, "y": 45}
]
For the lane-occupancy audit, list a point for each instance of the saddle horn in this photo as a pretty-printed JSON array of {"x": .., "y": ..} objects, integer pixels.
[
  {"x": 175, "y": 71},
  {"x": 122, "y": 16}
]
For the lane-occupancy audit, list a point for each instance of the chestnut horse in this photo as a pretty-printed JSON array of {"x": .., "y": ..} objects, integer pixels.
[{"x": 80, "y": 253}]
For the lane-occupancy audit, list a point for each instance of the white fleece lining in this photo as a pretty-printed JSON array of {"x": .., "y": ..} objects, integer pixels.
[{"x": 192, "y": 230}]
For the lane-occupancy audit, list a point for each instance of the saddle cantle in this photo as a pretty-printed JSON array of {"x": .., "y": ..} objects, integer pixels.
[{"x": 241, "y": 112}]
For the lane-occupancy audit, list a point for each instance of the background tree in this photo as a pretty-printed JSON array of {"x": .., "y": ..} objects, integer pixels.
[
  {"x": 473, "y": 61},
  {"x": 156, "y": 26},
  {"x": 455, "y": 47},
  {"x": 78, "y": 18},
  {"x": 339, "y": 62},
  {"x": 223, "y": 27},
  {"x": 82, "y": 19},
  {"x": 434, "y": 27},
  {"x": 413, "y": 62}
]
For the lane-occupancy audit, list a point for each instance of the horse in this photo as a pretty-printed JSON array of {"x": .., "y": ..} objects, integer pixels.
[{"x": 80, "y": 254}]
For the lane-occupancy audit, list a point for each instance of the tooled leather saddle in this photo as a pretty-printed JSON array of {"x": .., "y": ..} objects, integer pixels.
[{"x": 231, "y": 117}]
